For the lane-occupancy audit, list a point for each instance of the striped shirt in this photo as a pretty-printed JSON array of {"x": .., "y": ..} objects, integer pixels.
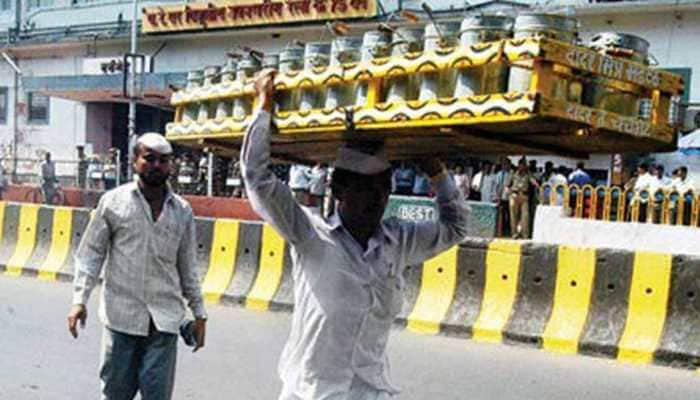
[{"x": 148, "y": 266}]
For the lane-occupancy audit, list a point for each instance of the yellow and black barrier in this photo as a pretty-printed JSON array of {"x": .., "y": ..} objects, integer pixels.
[{"x": 636, "y": 307}]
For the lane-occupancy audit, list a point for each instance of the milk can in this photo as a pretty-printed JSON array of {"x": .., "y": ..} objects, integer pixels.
[
  {"x": 316, "y": 55},
  {"x": 291, "y": 60},
  {"x": 228, "y": 73},
  {"x": 625, "y": 99},
  {"x": 207, "y": 108},
  {"x": 247, "y": 67},
  {"x": 375, "y": 44},
  {"x": 344, "y": 50},
  {"x": 557, "y": 27},
  {"x": 404, "y": 41},
  {"x": 224, "y": 108},
  {"x": 489, "y": 78},
  {"x": 194, "y": 80},
  {"x": 439, "y": 83}
]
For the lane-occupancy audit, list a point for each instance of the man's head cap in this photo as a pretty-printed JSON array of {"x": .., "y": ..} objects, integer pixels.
[
  {"x": 155, "y": 142},
  {"x": 362, "y": 159}
]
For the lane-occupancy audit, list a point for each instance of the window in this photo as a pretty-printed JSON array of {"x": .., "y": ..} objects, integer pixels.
[
  {"x": 40, "y": 3},
  {"x": 3, "y": 105},
  {"x": 38, "y": 109},
  {"x": 5, "y": 5}
]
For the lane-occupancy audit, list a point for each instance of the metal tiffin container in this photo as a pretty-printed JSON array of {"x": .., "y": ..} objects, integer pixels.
[
  {"x": 404, "y": 41},
  {"x": 224, "y": 108},
  {"x": 436, "y": 84},
  {"x": 194, "y": 81},
  {"x": 375, "y": 44},
  {"x": 207, "y": 108},
  {"x": 247, "y": 67},
  {"x": 316, "y": 55},
  {"x": 489, "y": 78},
  {"x": 551, "y": 26},
  {"x": 616, "y": 96},
  {"x": 344, "y": 50},
  {"x": 291, "y": 60}
]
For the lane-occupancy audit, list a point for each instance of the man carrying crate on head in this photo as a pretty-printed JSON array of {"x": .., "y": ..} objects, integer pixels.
[{"x": 348, "y": 269}]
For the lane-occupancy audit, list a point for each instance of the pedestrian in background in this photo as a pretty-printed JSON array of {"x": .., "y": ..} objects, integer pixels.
[
  {"x": 143, "y": 236},
  {"x": 579, "y": 177},
  {"x": 48, "y": 178},
  {"x": 520, "y": 185}
]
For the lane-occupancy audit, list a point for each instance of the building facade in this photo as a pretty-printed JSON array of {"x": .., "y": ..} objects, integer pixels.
[{"x": 61, "y": 83}]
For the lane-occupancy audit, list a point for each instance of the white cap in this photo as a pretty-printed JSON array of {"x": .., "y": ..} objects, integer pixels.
[
  {"x": 155, "y": 142},
  {"x": 361, "y": 162}
]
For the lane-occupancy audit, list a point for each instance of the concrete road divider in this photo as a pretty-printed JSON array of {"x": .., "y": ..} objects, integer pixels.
[{"x": 637, "y": 307}]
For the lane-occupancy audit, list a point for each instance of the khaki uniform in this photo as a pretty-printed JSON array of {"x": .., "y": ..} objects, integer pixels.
[{"x": 519, "y": 204}]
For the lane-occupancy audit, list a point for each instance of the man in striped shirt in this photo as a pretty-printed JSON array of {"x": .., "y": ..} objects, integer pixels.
[{"x": 143, "y": 236}]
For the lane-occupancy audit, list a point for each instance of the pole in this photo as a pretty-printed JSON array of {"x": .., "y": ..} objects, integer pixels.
[
  {"x": 210, "y": 174},
  {"x": 118, "y": 166},
  {"x": 132, "y": 100},
  {"x": 15, "y": 117}
]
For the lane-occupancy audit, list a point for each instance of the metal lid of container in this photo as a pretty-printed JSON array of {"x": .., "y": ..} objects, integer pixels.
[
  {"x": 446, "y": 29},
  {"x": 291, "y": 54},
  {"x": 487, "y": 22},
  {"x": 211, "y": 71},
  {"x": 345, "y": 43},
  {"x": 271, "y": 61},
  {"x": 194, "y": 76},
  {"x": 249, "y": 62},
  {"x": 543, "y": 22},
  {"x": 372, "y": 38},
  {"x": 411, "y": 35},
  {"x": 315, "y": 49},
  {"x": 607, "y": 40}
]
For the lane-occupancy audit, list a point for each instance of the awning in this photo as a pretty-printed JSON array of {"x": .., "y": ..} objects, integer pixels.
[{"x": 157, "y": 87}]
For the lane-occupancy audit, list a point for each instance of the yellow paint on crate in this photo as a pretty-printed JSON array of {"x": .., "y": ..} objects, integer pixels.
[
  {"x": 572, "y": 296},
  {"x": 500, "y": 288},
  {"x": 222, "y": 260},
  {"x": 60, "y": 243},
  {"x": 651, "y": 280},
  {"x": 26, "y": 239},
  {"x": 270, "y": 271},
  {"x": 438, "y": 284}
]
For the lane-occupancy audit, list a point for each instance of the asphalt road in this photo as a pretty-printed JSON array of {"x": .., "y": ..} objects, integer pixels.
[{"x": 39, "y": 360}]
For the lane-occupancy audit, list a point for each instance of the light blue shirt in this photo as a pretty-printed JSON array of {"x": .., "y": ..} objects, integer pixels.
[{"x": 345, "y": 298}]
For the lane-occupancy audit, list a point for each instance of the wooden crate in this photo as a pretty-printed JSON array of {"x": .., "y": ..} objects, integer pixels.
[{"x": 503, "y": 123}]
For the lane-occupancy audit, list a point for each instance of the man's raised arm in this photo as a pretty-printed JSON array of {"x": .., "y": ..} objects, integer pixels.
[{"x": 268, "y": 196}]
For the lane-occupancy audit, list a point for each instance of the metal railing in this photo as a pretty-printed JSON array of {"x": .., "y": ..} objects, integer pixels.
[{"x": 611, "y": 203}]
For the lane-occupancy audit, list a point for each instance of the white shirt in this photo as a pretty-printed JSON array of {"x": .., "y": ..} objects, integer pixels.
[
  {"x": 345, "y": 299},
  {"x": 489, "y": 188},
  {"x": 557, "y": 179},
  {"x": 646, "y": 182},
  {"x": 299, "y": 177},
  {"x": 317, "y": 181}
]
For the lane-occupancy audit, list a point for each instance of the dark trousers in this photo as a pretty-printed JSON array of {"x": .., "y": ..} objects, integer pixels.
[{"x": 144, "y": 364}]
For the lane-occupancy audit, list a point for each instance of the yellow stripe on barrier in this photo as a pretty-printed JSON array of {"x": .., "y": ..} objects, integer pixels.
[
  {"x": 502, "y": 271},
  {"x": 60, "y": 243},
  {"x": 222, "y": 260},
  {"x": 575, "y": 274},
  {"x": 26, "y": 239},
  {"x": 438, "y": 284},
  {"x": 651, "y": 280},
  {"x": 270, "y": 271}
]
